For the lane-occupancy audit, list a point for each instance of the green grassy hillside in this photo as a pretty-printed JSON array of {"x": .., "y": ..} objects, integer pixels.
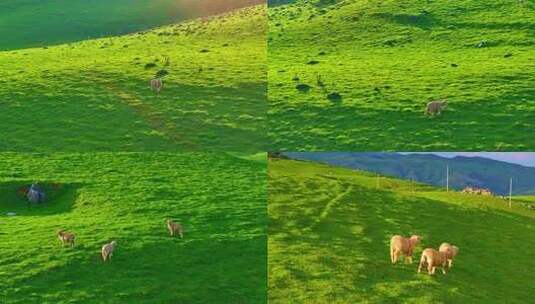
[
  {"x": 31, "y": 23},
  {"x": 219, "y": 199},
  {"x": 94, "y": 95},
  {"x": 386, "y": 60},
  {"x": 329, "y": 230}
]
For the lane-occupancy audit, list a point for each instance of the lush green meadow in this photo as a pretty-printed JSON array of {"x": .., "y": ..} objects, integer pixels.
[
  {"x": 386, "y": 60},
  {"x": 127, "y": 197},
  {"x": 329, "y": 230},
  {"x": 94, "y": 95}
]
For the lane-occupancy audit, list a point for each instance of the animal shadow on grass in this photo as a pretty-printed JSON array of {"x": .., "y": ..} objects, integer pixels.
[{"x": 59, "y": 198}]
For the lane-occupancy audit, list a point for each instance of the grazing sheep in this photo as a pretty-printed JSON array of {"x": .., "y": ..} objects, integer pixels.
[
  {"x": 450, "y": 250},
  {"x": 156, "y": 84},
  {"x": 107, "y": 250},
  {"x": 433, "y": 259},
  {"x": 66, "y": 238},
  {"x": 403, "y": 246},
  {"x": 435, "y": 107},
  {"x": 174, "y": 228}
]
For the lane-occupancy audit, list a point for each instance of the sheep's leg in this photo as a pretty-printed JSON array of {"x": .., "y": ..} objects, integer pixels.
[
  {"x": 392, "y": 259},
  {"x": 433, "y": 269},
  {"x": 450, "y": 263},
  {"x": 443, "y": 269}
]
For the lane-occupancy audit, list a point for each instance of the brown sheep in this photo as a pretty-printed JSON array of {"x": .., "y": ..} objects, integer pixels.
[
  {"x": 174, "y": 228},
  {"x": 156, "y": 84},
  {"x": 433, "y": 259},
  {"x": 450, "y": 250},
  {"x": 435, "y": 107},
  {"x": 66, "y": 238},
  {"x": 403, "y": 246},
  {"x": 107, "y": 250}
]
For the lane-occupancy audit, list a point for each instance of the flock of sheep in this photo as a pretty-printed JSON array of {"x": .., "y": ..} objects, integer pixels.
[
  {"x": 67, "y": 238},
  {"x": 431, "y": 258}
]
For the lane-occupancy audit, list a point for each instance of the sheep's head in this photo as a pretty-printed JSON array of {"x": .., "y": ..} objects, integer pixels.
[
  {"x": 455, "y": 250},
  {"x": 415, "y": 239}
]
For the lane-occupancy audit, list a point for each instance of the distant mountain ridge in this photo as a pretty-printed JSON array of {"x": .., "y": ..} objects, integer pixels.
[{"x": 464, "y": 171}]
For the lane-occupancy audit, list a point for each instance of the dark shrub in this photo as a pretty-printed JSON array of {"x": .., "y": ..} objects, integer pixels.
[
  {"x": 334, "y": 97},
  {"x": 150, "y": 65},
  {"x": 303, "y": 88},
  {"x": 161, "y": 73}
]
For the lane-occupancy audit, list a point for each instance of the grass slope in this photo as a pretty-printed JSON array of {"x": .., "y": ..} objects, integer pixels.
[
  {"x": 39, "y": 23},
  {"x": 94, "y": 95},
  {"x": 329, "y": 231},
  {"x": 220, "y": 199},
  {"x": 387, "y": 59}
]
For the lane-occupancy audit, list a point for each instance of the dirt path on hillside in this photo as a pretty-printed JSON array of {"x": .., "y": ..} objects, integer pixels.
[
  {"x": 327, "y": 209},
  {"x": 148, "y": 113}
]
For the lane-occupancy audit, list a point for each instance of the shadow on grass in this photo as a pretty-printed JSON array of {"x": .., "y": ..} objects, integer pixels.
[
  {"x": 59, "y": 198},
  {"x": 159, "y": 270}
]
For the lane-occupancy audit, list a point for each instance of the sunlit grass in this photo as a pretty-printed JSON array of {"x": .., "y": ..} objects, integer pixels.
[
  {"x": 219, "y": 199},
  {"x": 387, "y": 59},
  {"x": 94, "y": 95},
  {"x": 329, "y": 230}
]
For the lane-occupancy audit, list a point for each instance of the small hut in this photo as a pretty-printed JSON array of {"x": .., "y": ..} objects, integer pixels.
[{"x": 36, "y": 194}]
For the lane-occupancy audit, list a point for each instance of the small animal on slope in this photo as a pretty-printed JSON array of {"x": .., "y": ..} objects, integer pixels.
[
  {"x": 107, "y": 250},
  {"x": 435, "y": 107},
  {"x": 66, "y": 238},
  {"x": 174, "y": 228},
  {"x": 403, "y": 246}
]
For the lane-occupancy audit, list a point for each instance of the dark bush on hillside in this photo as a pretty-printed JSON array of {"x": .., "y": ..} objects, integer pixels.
[
  {"x": 312, "y": 62},
  {"x": 204, "y": 51},
  {"x": 303, "y": 88},
  {"x": 150, "y": 65},
  {"x": 334, "y": 97},
  {"x": 161, "y": 73}
]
